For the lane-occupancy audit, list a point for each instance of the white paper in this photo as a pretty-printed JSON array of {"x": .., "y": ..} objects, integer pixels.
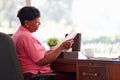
[{"x": 71, "y": 35}]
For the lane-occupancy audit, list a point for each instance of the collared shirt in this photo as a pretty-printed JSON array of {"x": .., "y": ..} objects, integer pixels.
[{"x": 29, "y": 51}]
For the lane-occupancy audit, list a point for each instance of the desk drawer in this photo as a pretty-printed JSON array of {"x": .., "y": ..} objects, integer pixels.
[
  {"x": 91, "y": 64},
  {"x": 91, "y": 71}
]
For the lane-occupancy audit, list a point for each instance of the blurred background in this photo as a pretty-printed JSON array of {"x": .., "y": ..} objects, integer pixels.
[{"x": 97, "y": 20}]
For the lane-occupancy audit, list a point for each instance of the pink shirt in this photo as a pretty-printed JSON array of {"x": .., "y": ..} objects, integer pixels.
[{"x": 29, "y": 51}]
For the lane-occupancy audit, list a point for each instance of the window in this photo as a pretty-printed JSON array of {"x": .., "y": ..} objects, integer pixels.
[
  {"x": 8, "y": 19},
  {"x": 97, "y": 20}
]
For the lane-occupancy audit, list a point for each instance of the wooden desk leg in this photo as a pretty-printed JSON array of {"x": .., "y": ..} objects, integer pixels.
[{"x": 77, "y": 71}]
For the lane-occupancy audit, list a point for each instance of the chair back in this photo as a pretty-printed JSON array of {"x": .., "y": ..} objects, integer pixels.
[{"x": 9, "y": 65}]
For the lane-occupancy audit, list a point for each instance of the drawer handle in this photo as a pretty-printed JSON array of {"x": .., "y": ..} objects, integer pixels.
[{"x": 90, "y": 74}]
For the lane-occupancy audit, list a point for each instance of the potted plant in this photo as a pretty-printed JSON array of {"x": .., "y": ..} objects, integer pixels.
[{"x": 52, "y": 42}]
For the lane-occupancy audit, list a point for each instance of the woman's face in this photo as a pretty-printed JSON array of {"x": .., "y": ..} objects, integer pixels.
[{"x": 32, "y": 25}]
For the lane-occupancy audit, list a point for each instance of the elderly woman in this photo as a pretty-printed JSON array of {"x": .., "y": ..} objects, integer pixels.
[{"x": 31, "y": 53}]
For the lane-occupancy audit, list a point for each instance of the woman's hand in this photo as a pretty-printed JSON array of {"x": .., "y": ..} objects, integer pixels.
[{"x": 67, "y": 44}]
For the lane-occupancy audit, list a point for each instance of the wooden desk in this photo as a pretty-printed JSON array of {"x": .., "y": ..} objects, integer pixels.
[{"x": 89, "y": 69}]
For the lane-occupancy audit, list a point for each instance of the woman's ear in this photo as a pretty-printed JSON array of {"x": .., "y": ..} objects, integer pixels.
[{"x": 26, "y": 23}]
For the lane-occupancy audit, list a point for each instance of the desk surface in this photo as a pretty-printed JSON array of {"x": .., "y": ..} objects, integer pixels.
[{"x": 74, "y": 60}]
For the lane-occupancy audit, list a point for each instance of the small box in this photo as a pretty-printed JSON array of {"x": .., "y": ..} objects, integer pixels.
[{"x": 73, "y": 54}]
